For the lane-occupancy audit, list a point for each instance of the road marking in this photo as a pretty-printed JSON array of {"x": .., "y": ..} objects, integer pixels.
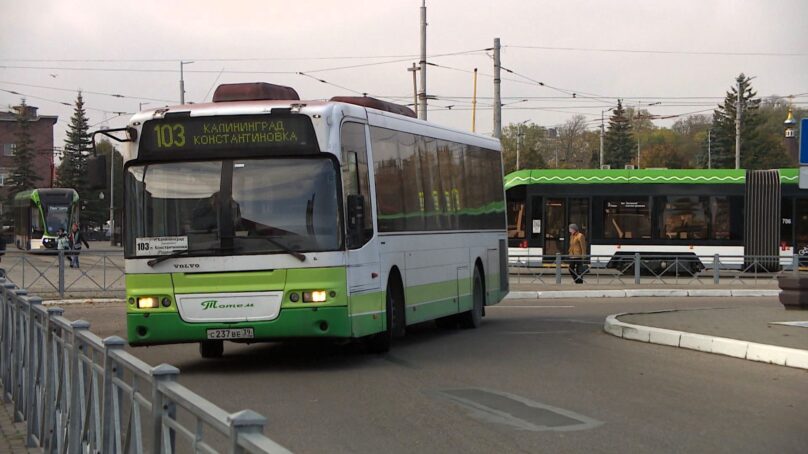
[{"x": 517, "y": 412}]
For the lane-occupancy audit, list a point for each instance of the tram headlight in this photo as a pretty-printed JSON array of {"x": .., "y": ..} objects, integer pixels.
[
  {"x": 315, "y": 296},
  {"x": 147, "y": 302}
]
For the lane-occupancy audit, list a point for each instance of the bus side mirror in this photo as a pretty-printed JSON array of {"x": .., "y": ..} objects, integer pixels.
[
  {"x": 356, "y": 219},
  {"x": 97, "y": 172}
]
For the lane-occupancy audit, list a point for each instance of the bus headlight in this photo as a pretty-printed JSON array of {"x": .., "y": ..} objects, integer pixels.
[
  {"x": 314, "y": 296},
  {"x": 147, "y": 302}
]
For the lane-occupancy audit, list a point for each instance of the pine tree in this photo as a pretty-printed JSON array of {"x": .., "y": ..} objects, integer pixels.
[
  {"x": 619, "y": 144},
  {"x": 78, "y": 147},
  {"x": 753, "y": 147},
  {"x": 23, "y": 176}
]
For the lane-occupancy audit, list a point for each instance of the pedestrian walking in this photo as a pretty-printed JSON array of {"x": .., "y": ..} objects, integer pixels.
[
  {"x": 62, "y": 242},
  {"x": 577, "y": 251},
  {"x": 76, "y": 240}
]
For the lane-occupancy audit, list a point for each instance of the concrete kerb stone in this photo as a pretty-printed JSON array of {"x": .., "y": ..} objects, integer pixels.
[
  {"x": 640, "y": 293},
  {"x": 752, "y": 351}
]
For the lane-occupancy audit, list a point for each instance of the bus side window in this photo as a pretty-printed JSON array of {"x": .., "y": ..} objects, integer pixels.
[{"x": 355, "y": 174}]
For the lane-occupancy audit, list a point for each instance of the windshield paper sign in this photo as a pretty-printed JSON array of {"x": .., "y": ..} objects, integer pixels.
[{"x": 160, "y": 245}]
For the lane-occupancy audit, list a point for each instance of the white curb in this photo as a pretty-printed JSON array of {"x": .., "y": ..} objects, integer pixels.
[
  {"x": 772, "y": 354},
  {"x": 640, "y": 293}
]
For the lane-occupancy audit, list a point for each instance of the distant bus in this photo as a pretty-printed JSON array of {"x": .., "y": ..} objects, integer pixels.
[
  {"x": 261, "y": 217},
  {"x": 40, "y": 213},
  {"x": 662, "y": 213}
]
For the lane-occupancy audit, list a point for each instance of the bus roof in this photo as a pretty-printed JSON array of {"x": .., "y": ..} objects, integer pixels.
[{"x": 641, "y": 176}]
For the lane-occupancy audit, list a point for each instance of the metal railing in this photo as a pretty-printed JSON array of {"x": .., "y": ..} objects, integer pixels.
[
  {"x": 639, "y": 269},
  {"x": 78, "y": 393},
  {"x": 50, "y": 274}
]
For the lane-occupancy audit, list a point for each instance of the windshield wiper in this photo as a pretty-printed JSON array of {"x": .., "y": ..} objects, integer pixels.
[
  {"x": 298, "y": 255},
  {"x": 162, "y": 258}
]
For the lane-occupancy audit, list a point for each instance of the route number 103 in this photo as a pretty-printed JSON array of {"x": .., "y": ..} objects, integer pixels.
[{"x": 169, "y": 136}]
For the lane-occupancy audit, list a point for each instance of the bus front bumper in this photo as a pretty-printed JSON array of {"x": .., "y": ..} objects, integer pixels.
[{"x": 168, "y": 327}]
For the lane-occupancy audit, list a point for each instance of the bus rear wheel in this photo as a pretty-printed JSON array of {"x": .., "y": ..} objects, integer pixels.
[
  {"x": 474, "y": 317},
  {"x": 211, "y": 349}
]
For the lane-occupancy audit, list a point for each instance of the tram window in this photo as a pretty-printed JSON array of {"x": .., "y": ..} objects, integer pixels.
[
  {"x": 720, "y": 218},
  {"x": 685, "y": 218},
  {"x": 516, "y": 219},
  {"x": 626, "y": 219}
]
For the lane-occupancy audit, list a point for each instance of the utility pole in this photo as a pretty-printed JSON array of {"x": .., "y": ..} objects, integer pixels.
[
  {"x": 182, "y": 80},
  {"x": 474, "y": 104},
  {"x": 422, "y": 95},
  {"x": 414, "y": 88},
  {"x": 738, "y": 113},
  {"x": 112, "y": 196},
  {"x": 497, "y": 97},
  {"x": 709, "y": 144},
  {"x": 602, "y": 133}
]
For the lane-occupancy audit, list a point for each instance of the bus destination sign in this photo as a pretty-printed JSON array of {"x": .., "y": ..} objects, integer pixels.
[{"x": 200, "y": 134}]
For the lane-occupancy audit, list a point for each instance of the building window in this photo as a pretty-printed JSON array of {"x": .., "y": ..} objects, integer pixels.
[
  {"x": 4, "y": 173},
  {"x": 8, "y": 149}
]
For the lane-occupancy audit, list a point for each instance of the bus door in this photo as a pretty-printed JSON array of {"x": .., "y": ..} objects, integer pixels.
[
  {"x": 363, "y": 265},
  {"x": 555, "y": 228}
]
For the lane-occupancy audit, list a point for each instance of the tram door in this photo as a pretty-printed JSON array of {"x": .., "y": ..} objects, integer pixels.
[
  {"x": 558, "y": 215},
  {"x": 555, "y": 227}
]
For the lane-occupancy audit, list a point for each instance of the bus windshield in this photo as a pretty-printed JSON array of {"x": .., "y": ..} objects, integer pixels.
[
  {"x": 286, "y": 204},
  {"x": 57, "y": 216}
]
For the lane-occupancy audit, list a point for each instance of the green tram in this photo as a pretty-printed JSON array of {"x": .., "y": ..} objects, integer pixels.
[
  {"x": 260, "y": 217},
  {"x": 688, "y": 213},
  {"x": 40, "y": 213}
]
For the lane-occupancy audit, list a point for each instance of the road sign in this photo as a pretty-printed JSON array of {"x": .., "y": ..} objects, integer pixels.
[{"x": 804, "y": 142}]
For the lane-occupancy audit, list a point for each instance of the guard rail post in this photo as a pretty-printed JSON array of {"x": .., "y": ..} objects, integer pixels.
[
  {"x": 162, "y": 408},
  {"x": 716, "y": 269},
  {"x": 75, "y": 412},
  {"x": 18, "y": 356},
  {"x": 245, "y": 421},
  {"x": 111, "y": 371},
  {"x": 637, "y": 268},
  {"x": 6, "y": 339},
  {"x": 52, "y": 381},
  {"x": 796, "y": 265},
  {"x": 558, "y": 268},
  {"x": 61, "y": 273},
  {"x": 33, "y": 351}
]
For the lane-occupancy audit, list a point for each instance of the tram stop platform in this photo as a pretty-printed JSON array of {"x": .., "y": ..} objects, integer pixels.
[{"x": 767, "y": 333}]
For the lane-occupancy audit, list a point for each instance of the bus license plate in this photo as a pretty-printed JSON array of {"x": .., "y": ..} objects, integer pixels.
[{"x": 231, "y": 333}]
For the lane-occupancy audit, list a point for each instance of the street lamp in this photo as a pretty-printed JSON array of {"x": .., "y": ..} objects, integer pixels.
[
  {"x": 518, "y": 138},
  {"x": 603, "y": 132},
  {"x": 182, "y": 81},
  {"x": 638, "y": 127}
]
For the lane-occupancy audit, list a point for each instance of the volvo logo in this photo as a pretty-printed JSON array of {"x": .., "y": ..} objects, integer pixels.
[{"x": 186, "y": 266}]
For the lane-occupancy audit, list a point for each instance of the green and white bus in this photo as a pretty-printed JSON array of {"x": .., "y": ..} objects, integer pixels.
[
  {"x": 40, "y": 213},
  {"x": 261, "y": 217}
]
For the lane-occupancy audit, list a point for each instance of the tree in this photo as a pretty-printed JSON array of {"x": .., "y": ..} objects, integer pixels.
[
  {"x": 619, "y": 144},
  {"x": 72, "y": 170},
  {"x": 531, "y": 139},
  {"x": 23, "y": 176},
  {"x": 572, "y": 144},
  {"x": 723, "y": 129}
]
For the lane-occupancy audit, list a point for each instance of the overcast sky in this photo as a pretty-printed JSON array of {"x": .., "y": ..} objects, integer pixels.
[{"x": 134, "y": 49}]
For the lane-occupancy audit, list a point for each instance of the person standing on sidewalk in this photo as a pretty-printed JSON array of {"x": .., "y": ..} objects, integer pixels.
[
  {"x": 577, "y": 251},
  {"x": 76, "y": 239}
]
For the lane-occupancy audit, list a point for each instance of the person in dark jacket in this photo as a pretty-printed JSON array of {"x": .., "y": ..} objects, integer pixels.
[{"x": 76, "y": 240}]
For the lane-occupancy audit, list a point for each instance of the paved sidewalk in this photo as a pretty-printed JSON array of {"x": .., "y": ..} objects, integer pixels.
[
  {"x": 752, "y": 333},
  {"x": 12, "y": 435}
]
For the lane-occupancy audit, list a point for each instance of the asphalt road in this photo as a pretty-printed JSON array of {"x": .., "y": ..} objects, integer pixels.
[{"x": 536, "y": 377}]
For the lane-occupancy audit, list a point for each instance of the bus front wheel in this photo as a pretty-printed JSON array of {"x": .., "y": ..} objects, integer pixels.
[
  {"x": 211, "y": 348},
  {"x": 474, "y": 317},
  {"x": 394, "y": 317}
]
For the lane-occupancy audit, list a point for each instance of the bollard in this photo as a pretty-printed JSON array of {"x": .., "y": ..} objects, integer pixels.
[
  {"x": 245, "y": 421},
  {"x": 637, "y": 268},
  {"x": 558, "y": 268},
  {"x": 61, "y": 274},
  {"x": 716, "y": 269},
  {"x": 162, "y": 408},
  {"x": 795, "y": 265}
]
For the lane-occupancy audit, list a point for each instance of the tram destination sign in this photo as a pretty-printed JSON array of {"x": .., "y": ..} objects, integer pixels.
[{"x": 176, "y": 137}]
